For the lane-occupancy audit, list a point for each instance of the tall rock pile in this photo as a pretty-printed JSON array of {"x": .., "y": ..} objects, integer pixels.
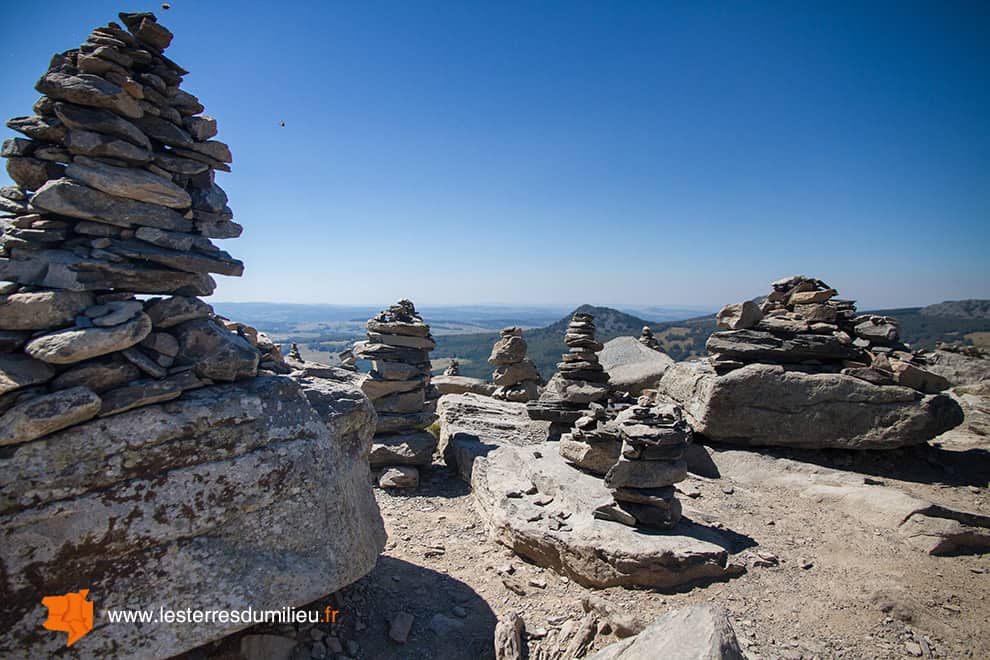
[
  {"x": 515, "y": 377},
  {"x": 580, "y": 378},
  {"x": 115, "y": 197},
  {"x": 398, "y": 345},
  {"x": 145, "y": 449},
  {"x": 835, "y": 378},
  {"x": 802, "y": 322},
  {"x": 654, "y": 439}
]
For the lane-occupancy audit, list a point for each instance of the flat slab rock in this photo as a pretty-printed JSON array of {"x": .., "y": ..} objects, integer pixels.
[
  {"x": 462, "y": 385},
  {"x": 768, "y": 405},
  {"x": 594, "y": 553},
  {"x": 699, "y": 632},
  {"x": 472, "y": 425},
  {"x": 632, "y": 366}
]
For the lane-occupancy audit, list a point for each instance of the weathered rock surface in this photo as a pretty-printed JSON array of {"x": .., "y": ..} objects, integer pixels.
[
  {"x": 563, "y": 535},
  {"x": 409, "y": 448},
  {"x": 42, "y": 309},
  {"x": 769, "y": 405},
  {"x": 462, "y": 385},
  {"x": 472, "y": 425},
  {"x": 631, "y": 365},
  {"x": 696, "y": 632},
  {"x": 233, "y": 496},
  {"x": 47, "y": 413},
  {"x": 78, "y": 344},
  {"x": 215, "y": 352}
]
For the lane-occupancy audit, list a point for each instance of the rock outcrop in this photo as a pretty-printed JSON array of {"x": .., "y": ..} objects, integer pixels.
[
  {"x": 698, "y": 632},
  {"x": 804, "y": 370},
  {"x": 632, "y": 366},
  {"x": 153, "y": 454},
  {"x": 398, "y": 346},
  {"x": 515, "y": 377},
  {"x": 762, "y": 404}
]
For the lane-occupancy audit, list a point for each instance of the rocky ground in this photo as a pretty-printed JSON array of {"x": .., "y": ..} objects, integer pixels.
[{"x": 819, "y": 581}]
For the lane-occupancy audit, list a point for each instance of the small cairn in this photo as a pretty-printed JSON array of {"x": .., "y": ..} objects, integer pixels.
[
  {"x": 515, "y": 376},
  {"x": 453, "y": 369},
  {"x": 654, "y": 439},
  {"x": 647, "y": 339},
  {"x": 347, "y": 359},
  {"x": 801, "y": 322},
  {"x": 399, "y": 387},
  {"x": 579, "y": 381},
  {"x": 594, "y": 442},
  {"x": 115, "y": 197}
]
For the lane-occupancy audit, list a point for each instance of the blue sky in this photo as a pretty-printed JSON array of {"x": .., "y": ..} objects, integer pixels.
[{"x": 603, "y": 152}]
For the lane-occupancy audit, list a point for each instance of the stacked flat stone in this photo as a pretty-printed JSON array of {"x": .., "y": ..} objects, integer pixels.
[
  {"x": 515, "y": 376},
  {"x": 579, "y": 381},
  {"x": 399, "y": 387},
  {"x": 801, "y": 322},
  {"x": 348, "y": 360},
  {"x": 647, "y": 339},
  {"x": 453, "y": 369},
  {"x": 654, "y": 439},
  {"x": 115, "y": 197},
  {"x": 594, "y": 442}
]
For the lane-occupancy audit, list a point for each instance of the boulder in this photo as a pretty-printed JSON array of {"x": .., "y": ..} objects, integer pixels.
[
  {"x": 233, "y": 496},
  {"x": 631, "y": 365},
  {"x": 958, "y": 368},
  {"x": 696, "y": 632},
  {"x": 78, "y": 344},
  {"x": 510, "y": 482},
  {"x": 761, "y": 404},
  {"x": 214, "y": 351},
  {"x": 415, "y": 448},
  {"x": 471, "y": 425},
  {"x": 739, "y": 316}
]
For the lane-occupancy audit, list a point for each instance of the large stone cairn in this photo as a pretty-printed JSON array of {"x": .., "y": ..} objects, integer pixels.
[
  {"x": 647, "y": 339},
  {"x": 115, "y": 197},
  {"x": 654, "y": 439},
  {"x": 802, "y": 323},
  {"x": 515, "y": 376},
  {"x": 579, "y": 381},
  {"x": 399, "y": 387}
]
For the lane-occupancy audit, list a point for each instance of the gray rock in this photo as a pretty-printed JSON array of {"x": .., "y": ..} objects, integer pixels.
[
  {"x": 102, "y": 122},
  {"x": 190, "y": 262},
  {"x": 399, "y": 476},
  {"x": 98, "y": 145},
  {"x": 42, "y": 310},
  {"x": 402, "y": 449},
  {"x": 472, "y": 425},
  {"x": 592, "y": 552},
  {"x": 517, "y": 372},
  {"x": 78, "y": 344},
  {"x": 698, "y": 632},
  {"x": 645, "y": 474},
  {"x": 395, "y": 423},
  {"x": 164, "y": 131},
  {"x": 46, "y": 414},
  {"x": 200, "y": 128},
  {"x": 166, "y": 239},
  {"x": 100, "y": 374},
  {"x": 597, "y": 458},
  {"x": 67, "y": 197},
  {"x": 31, "y": 173},
  {"x": 215, "y": 352},
  {"x": 957, "y": 368},
  {"x": 128, "y": 182},
  {"x": 115, "y": 312},
  {"x": 46, "y": 128},
  {"x": 400, "y": 627},
  {"x": 171, "y": 311},
  {"x": 425, "y": 343},
  {"x": 18, "y": 370},
  {"x": 222, "y": 472},
  {"x": 770, "y": 405},
  {"x": 760, "y": 346},
  {"x": 90, "y": 90},
  {"x": 573, "y": 391},
  {"x": 462, "y": 385},
  {"x": 146, "y": 392},
  {"x": 739, "y": 316},
  {"x": 631, "y": 365},
  {"x": 267, "y": 647},
  {"x": 509, "y": 644},
  {"x": 508, "y": 350}
]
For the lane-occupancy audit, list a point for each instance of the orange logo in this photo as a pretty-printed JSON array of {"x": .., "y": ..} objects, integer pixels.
[{"x": 70, "y": 613}]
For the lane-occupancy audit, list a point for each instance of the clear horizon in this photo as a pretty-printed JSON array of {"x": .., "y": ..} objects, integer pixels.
[{"x": 469, "y": 153}]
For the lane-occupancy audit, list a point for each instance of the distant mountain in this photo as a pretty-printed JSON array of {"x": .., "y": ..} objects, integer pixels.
[{"x": 960, "y": 309}]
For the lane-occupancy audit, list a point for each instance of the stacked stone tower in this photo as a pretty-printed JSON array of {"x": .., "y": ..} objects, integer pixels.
[
  {"x": 115, "y": 197},
  {"x": 399, "y": 345},
  {"x": 515, "y": 376},
  {"x": 647, "y": 339}
]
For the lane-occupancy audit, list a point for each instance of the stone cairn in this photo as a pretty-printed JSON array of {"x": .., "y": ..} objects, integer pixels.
[
  {"x": 579, "y": 381},
  {"x": 647, "y": 339},
  {"x": 654, "y": 439},
  {"x": 115, "y": 197},
  {"x": 515, "y": 376},
  {"x": 594, "y": 442},
  {"x": 453, "y": 369},
  {"x": 802, "y": 324},
  {"x": 348, "y": 360},
  {"x": 399, "y": 387}
]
